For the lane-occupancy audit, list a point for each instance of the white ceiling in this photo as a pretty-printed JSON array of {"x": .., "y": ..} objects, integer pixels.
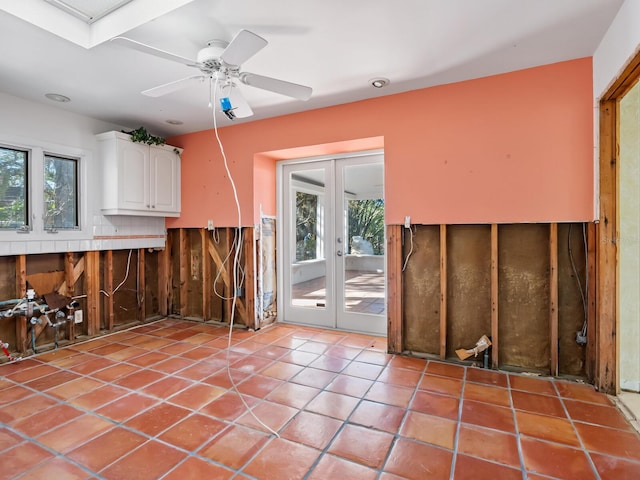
[{"x": 333, "y": 46}]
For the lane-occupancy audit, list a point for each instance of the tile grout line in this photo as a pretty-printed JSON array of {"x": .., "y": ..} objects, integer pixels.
[
  {"x": 325, "y": 450},
  {"x": 523, "y": 468},
  {"x": 454, "y": 457},
  {"x": 407, "y": 410},
  {"x": 575, "y": 431}
]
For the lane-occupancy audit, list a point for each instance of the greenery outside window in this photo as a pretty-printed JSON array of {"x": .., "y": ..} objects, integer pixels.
[
  {"x": 306, "y": 226},
  {"x": 60, "y": 193},
  {"x": 366, "y": 219},
  {"x": 13, "y": 188}
]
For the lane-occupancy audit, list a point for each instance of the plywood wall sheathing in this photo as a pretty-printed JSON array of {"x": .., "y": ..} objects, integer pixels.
[
  {"x": 468, "y": 286},
  {"x": 523, "y": 252},
  {"x": 164, "y": 278},
  {"x": 151, "y": 285},
  {"x": 193, "y": 289},
  {"x": 572, "y": 277},
  {"x": 78, "y": 269},
  {"x": 421, "y": 289}
]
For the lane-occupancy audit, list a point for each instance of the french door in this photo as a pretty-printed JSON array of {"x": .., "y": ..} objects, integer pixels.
[{"x": 332, "y": 243}]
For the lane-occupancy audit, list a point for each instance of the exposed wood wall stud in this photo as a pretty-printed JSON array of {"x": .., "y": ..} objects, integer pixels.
[
  {"x": 394, "y": 289},
  {"x": 184, "y": 271},
  {"x": 206, "y": 275},
  {"x": 553, "y": 297},
  {"x": 249, "y": 248},
  {"x": 21, "y": 291},
  {"x": 108, "y": 287},
  {"x": 92, "y": 274},
  {"x": 590, "y": 356},
  {"x": 495, "y": 348},
  {"x": 69, "y": 264},
  {"x": 163, "y": 280},
  {"x": 141, "y": 286},
  {"x": 443, "y": 291},
  {"x": 227, "y": 266},
  {"x": 607, "y": 288}
]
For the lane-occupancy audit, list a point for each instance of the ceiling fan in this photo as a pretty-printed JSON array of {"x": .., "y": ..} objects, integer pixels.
[{"x": 221, "y": 60}]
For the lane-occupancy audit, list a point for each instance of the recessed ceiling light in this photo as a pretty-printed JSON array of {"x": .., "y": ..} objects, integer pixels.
[
  {"x": 56, "y": 97},
  {"x": 174, "y": 122},
  {"x": 379, "y": 82}
]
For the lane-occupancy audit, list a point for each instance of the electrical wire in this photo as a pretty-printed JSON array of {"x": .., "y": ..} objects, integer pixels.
[
  {"x": 237, "y": 247},
  {"x": 126, "y": 275},
  {"x": 406, "y": 260},
  {"x": 583, "y": 331}
]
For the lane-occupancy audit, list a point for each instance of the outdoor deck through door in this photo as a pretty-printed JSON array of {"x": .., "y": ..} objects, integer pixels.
[{"x": 334, "y": 259}]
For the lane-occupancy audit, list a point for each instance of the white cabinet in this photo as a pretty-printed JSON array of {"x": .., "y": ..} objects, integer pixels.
[{"x": 138, "y": 179}]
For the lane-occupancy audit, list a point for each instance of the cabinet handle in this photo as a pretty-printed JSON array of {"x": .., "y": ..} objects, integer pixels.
[
  {"x": 148, "y": 206},
  {"x": 153, "y": 206}
]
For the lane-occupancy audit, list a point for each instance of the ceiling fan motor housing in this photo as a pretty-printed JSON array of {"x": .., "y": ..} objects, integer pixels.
[{"x": 210, "y": 55}]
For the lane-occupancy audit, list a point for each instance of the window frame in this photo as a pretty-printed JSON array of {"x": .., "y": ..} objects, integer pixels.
[
  {"x": 35, "y": 192},
  {"x": 28, "y": 223},
  {"x": 77, "y": 161}
]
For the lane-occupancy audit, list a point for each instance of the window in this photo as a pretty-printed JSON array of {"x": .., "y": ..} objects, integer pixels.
[
  {"x": 13, "y": 188},
  {"x": 40, "y": 190},
  {"x": 60, "y": 193},
  {"x": 306, "y": 226}
]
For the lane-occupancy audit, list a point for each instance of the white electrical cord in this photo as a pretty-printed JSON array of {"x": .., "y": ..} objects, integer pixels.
[
  {"x": 237, "y": 246},
  {"x": 406, "y": 260},
  {"x": 126, "y": 275}
]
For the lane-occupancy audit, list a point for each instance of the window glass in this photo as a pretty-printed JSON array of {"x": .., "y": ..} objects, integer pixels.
[
  {"x": 306, "y": 226},
  {"x": 60, "y": 193},
  {"x": 13, "y": 188}
]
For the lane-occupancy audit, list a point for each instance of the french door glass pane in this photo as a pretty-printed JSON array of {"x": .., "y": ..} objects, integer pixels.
[
  {"x": 308, "y": 266},
  {"x": 364, "y": 261}
]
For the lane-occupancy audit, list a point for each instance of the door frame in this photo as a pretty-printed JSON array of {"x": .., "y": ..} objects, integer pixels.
[
  {"x": 604, "y": 356},
  {"x": 280, "y": 209}
]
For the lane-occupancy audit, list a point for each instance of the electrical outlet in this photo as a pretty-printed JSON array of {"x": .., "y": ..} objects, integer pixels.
[
  {"x": 209, "y": 224},
  {"x": 407, "y": 222},
  {"x": 77, "y": 316}
]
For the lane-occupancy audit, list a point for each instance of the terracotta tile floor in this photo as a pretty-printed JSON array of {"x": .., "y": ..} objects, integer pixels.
[{"x": 155, "y": 402}]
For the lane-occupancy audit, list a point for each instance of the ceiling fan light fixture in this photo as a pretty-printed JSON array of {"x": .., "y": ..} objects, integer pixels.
[
  {"x": 379, "y": 82},
  {"x": 56, "y": 97}
]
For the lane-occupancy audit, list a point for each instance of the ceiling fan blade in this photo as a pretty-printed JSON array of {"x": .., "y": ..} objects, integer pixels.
[
  {"x": 289, "y": 89},
  {"x": 243, "y": 46},
  {"x": 135, "y": 45},
  {"x": 172, "y": 86},
  {"x": 239, "y": 105}
]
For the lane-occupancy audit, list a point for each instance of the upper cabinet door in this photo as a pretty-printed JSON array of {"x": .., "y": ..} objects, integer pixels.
[
  {"x": 165, "y": 185},
  {"x": 139, "y": 179},
  {"x": 133, "y": 173}
]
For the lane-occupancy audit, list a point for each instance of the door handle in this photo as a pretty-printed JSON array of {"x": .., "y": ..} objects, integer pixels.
[{"x": 339, "y": 253}]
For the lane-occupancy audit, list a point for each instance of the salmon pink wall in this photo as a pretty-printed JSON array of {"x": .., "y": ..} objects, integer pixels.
[{"x": 510, "y": 148}]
